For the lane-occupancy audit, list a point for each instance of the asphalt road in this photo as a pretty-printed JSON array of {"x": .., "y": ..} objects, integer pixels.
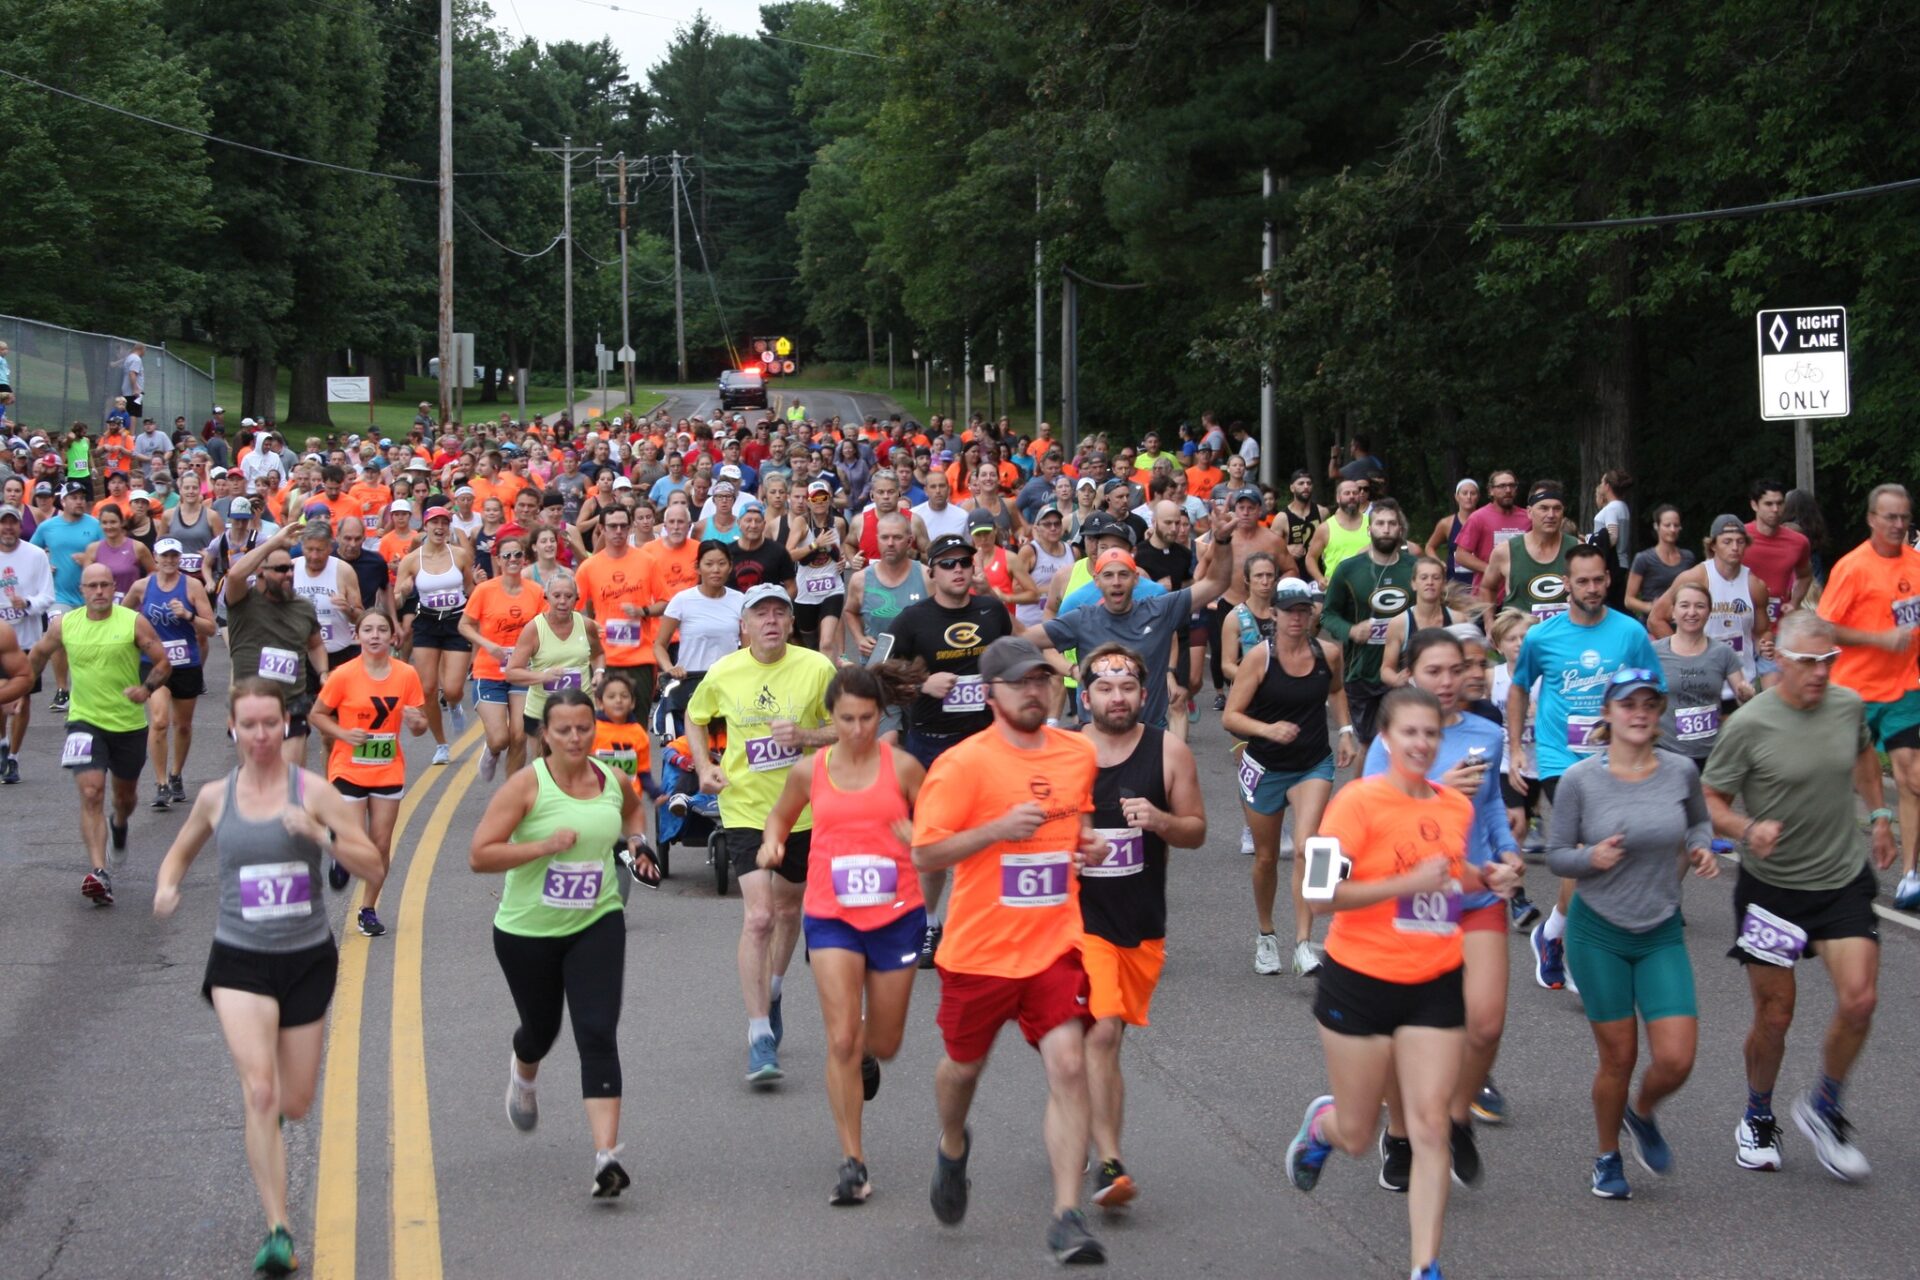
[
  {"x": 120, "y": 1137},
  {"x": 846, "y": 405}
]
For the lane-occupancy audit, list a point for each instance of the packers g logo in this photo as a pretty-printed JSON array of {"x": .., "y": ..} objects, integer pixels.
[
  {"x": 963, "y": 635},
  {"x": 1388, "y": 600},
  {"x": 1548, "y": 586}
]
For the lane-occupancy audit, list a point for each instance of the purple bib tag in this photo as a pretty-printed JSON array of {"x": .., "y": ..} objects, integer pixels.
[
  {"x": 1126, "y": 853},
  {"x": 1436, "y": 912},
  {"x": 865, "y": 880},
  {"x": 1250, "y": 771},
  {"x": 969, "y": 693},
  {"x": 442, "y": 600},
  {"x": 1034, "y": 879},
  {"x": 280, "y": 664},
  {"x": 572, "y": 886},
  {"x": 623, "y": 631},
  {"x": 1696, "y": 724},
  {"x": 178, "y": 651},
  {"x": 764, "y": 755},
  {"x": 568, "y": 679},
  {"x": 1767, "y": 937},
  {"x": 275, "y": 891},
  {"x": 1580, "y": 732}
]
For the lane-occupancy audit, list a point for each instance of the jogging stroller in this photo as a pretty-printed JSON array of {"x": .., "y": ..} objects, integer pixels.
[{"x": 684, "y": 815}]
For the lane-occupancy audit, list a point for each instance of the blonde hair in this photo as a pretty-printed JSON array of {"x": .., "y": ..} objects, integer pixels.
[{"x": 1506, "y": 622}]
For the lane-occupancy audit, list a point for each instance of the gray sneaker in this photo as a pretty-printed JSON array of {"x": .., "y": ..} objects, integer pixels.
[
  {"x": 1069, "y": 1241},
  {"x": 950, "y": 1183},
  {"x": 523, "y": 1107}
]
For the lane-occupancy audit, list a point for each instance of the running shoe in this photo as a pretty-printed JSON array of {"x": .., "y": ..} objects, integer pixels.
[
  {"x": 950, "y": 1183},
  {"x": 853, "y": 1187},
  {"x": 763, "y": 1062},
  {"x": 1757, "y": 1143},
  {"x": 1536, "y": 842},
  {"x": 1219, "y": 701},
  {"x": 1907, "y": 896},
  {"x": 1610, "y": 1178},
  {"x": 1489, "y": 1106},
  {"x": 1069, "y": 1241},
  {"x": 1306, "y": 961},
  {"x": 677, "y": 805},
  {"x": 61, "y": 700},
  {"x": 457, "y": 716},
  {"x": 10, "y": 770},
  {"x": 489, "y": 763},
  {"x": 276, "y": 1256},
  {"x": 117, "y": 842},
  {"x": 1549, "y": 959},
  {"x": 1306, "y": 1154},
  {"x": 1266, "y": 954},
  {"x": 869, "y": 1077},
  {"x": 1429, "y": 1272},
  {"x": 1286, "y": 842},
  {"x": 1193, "y": 712},
  {"x": 162, "y": 798},
  {"x": 370, "y": 923},
  {"x": 930, "y": 944},
  {"x": 1396, "y": 1162},
  {"x": 609, "y": 1178},
  {"x": 98, "y": 885},
  {"x": 1246, "y": 840},
  {"x": 523, "y": 1105},
  {"x": 177, "y": 788},
  {"x": 1649, "y": 1145},
  {"x": 1466, "y": 1156},
  {"x": 1112, "y": 1188},
  {"x": 1523, "y": 914},
  {"x": 1832, "y": 1137},
  {"x": 442, "y": 754},
  {"x": 337, "y": 875},
  {"x": 773, "y": 1017}
]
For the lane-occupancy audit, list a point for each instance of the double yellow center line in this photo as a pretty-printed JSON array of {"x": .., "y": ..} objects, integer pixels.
[{"x": 414, "y": 1193}]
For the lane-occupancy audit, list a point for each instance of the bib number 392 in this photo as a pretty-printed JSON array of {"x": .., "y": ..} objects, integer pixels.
[
  {"x": 1767, "y": 937},
  {"x": 1034, "y": 879}
]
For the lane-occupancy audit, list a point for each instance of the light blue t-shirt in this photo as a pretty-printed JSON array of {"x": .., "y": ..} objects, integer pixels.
[
  {"x": 1489, "y": 833},
  {"x": 1144, "y": 588},
  {"x": 664, "y": 486},
  {"x": 1574, "y": 664},
  {"x": 62, "y": 539}
]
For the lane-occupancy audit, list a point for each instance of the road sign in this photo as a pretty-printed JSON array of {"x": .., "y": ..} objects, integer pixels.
[
  {"x": 781, "y": 347},
  {"x": 1803, "y": 363},
  {"x": 989, "y": 372},
  {"x": 626, "y": 355},
  {"x": 604, "y": 361},
  {"x": 349, "y": 390},
  {"x": 786, "y": 366},
  {"x": 463, "y": 362}
]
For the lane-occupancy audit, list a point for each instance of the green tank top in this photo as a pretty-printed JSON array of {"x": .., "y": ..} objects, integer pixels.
[
  {"x": 563, "y": 893},
  {"x": 1539, "y": 588},
  {"x": 77, "y": 458},
  {"x": 1342, "y": 543},
  {"x": 105, "y": 662},
  {"x": 549, "y": 650}
]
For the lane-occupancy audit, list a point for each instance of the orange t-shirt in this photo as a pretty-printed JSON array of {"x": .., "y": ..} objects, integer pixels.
[
  {"x": 1038, "y": 449},
  {"x": 499, "y": 618},
  {"x": 623, "y": 746},
  {"x": 483, "y": 488},
  {"x": 507, "y": 487},
  {"x": 1386, "y": 832},
  {"x": 393, "y": 548},
  {"x": 1201, "y": 481},
  {"x": 670, "y": 571},
  {"x": 358, "y": 701},
  {"x": 123, "y": 502},
  {"x": 371, "y": 499},
  {"x": 1015, "y": 907},
  {"x": 337, "y": 508},
  {"x": 1011, "y": 477},
  {"x": 606, "y": 585},
  {"x": 959, "y": 485},
  {"x": 1871, "y": 592}
]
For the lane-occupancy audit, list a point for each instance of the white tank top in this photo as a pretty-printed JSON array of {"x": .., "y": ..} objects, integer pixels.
[
  {"x": 466, "y": 526},
  {"x": 336, "y": 629},
  {"x": 443, "y": 590},
  {"x": 1045, "y": 565},
  {"x": 1731, "y": 618},
  {"x": 949, "y": 519}
]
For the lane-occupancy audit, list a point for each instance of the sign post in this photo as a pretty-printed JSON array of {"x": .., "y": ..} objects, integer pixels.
[
  {"x": 1803, "y": 374},
  {"x": 352, "y": 391}
]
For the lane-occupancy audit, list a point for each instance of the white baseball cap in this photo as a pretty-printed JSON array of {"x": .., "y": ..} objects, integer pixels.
[
  {"x": 621, "y": 482},
  {"x": 165, "y": 545},
  {"x": 401, "y": 504}
]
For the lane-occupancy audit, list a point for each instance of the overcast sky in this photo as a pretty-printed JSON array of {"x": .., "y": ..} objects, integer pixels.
[{"x": 641, "y": 32}]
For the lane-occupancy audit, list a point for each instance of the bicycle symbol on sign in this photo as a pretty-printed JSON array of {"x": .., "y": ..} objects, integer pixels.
[{"x": 1805, "y": 371}]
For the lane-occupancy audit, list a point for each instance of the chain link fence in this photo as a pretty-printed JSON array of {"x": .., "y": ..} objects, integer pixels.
[{"x": 62, "y": 376}]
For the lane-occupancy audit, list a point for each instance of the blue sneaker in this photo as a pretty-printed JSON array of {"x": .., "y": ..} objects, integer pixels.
[
  {"x": 1549, "y": 959},
  {"x": 1609, "y": 1179},
  {"x": 1649, "y": 1148},
  {"x": 1307, "y": 1154},
  {"x": 763, "y": 1063},
  {"x": 1907, "y": 895},
  {"x": 1522, "y": 913},
  {"x": 779, "y": 1027},
  {"x": 1429, "y": 1272}
]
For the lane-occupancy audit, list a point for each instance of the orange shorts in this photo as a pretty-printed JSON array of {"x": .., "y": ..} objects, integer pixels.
[
  {"x": 1491, "y": 918},
  {"x": 1121, "y": 980}
]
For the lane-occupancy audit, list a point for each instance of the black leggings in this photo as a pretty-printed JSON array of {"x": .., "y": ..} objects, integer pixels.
[
  {"x": 1216, "y": 615},
  {"x": 584, "y": 969}
]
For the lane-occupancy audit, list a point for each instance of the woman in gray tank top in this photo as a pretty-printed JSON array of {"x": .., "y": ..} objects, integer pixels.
[{"x": 270, "y": 974}]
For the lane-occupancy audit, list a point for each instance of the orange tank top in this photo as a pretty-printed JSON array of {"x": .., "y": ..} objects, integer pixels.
[{"x": 858, "y": 870}]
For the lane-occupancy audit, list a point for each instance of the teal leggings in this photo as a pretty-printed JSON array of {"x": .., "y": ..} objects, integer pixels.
[{"x": 1618, "y": 970}]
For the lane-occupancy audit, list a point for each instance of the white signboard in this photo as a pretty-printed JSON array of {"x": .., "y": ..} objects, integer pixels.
[
  {"x": 625, "y": 355},
  {"x": 989, "y": 373},
  {"x": 349, "y": 390},
  {"x": 1803, "y": 363}
]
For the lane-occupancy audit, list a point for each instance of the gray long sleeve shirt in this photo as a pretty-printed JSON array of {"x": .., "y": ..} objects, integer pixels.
[{"x": 1660, "y": 819}]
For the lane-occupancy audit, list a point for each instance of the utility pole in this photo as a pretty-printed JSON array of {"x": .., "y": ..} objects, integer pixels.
[
  {"x": 679, "y": 293},
  {"x": 1039, "y": 317},
  {"x": 1269, "y": 446},
  {"x": 966, "y": 367},
  {"x": 567, "y": 151},
  {"x": 446, "y": 209},
  {"x": 619, "y": 176}
]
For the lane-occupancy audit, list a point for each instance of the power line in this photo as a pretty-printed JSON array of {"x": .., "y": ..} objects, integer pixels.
[
  {"x": 496, "y": 244},
  {"x": 1706, "y": 215},
  {"x": 726, "y": 333}
]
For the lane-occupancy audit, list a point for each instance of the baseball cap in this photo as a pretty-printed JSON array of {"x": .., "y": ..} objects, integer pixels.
[
  {"x": 74, "y": 488},
  {"x": 248, "y": 422},
  {"x": 1086, "y": 482},
  {"x": 435, "y": 512},
  {"x": 216, "y": 472},
  {"x": 1628, "y": 680},
  {"x": 1726, "y": 524},
  {"x": 621, "y": 482},
  {"x": 1102, "y": 525},
  {"x": 219, "y": 408},
  {"x": 766, "y": 591},
  {"x": 1113, "y": 483},
  {"x": 1046, "y": 509},
  {"x": 750, "y": 507},
  {"x": 139, "y": 495},
  {"x": 240, "y": 509},
  {"x": 980, "y": 518},
  {"x": 1291, "y": 593},
  {"x": 820, "y": 486},
  {"x": 1247, "y": 494},
  {"x": 947, "y": 544},
  {"x": 401, "y": 504},
  {"x": 10, "y": 511},
  {"x": 165, "y": 545},
  {"x": 1010, "y": 658},
  {"x": 729, "y": 472},
  {"x": 44, "y": 488}
]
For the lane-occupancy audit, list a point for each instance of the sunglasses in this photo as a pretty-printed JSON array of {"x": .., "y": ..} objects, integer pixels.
[
  {"x": 511, "y": 555},
  {"x": 1628, "y": 675},
  {"x": 276, "y": 568},
  {"x": 952, "y": 563},
  {"x": 1828, "y": 656}
]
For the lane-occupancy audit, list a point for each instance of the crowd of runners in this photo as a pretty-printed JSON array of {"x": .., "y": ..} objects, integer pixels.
[{"x": 935, "y": 684}]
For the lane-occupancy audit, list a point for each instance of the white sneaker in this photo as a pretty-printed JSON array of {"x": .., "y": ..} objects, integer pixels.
[
  {"x": 442, "y": 754},
  {"x": 1757, "y": 1146},
  {"x": 523, "y": 1103},
  {"x": 457, "y": 717},
  {"x": 1306, "y": 961},
  {"x": 1246, "y": 840},
  {"x": 489, "y": 765},
  {"x": 1832, "y": 1138},
  {"x": 1266, "y": 954},
  {"x": 1906, "y": 896}
]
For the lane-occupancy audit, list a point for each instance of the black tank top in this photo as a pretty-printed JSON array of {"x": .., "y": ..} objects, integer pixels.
[
  {"x": 1300, "y": 699},
  {"x": 1300, "y": 529},
  {"x": 1125, "y": 900}
]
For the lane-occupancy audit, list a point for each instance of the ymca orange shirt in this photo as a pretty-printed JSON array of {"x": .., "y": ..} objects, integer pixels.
[
  {"x": 1015, "y": 907},
  {"x": 499, "y": 618},
  {"x": 1038, "y": 449},
  {"x": 1870, "y": 592},
  {"x": 483, "y": 488},
  {"x": 1386, "y": 833},
  {"x": 358, "y": 701},
  {"x": 606, "y": 585},
  {"x": 669, "y": 572}
]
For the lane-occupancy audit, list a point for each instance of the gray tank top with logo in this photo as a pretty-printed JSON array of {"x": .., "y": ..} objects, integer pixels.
[{"x": 270, "y": 881}]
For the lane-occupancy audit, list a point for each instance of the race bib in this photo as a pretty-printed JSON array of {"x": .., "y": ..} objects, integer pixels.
[
  {"x": 1503, "y": 536},
  {"x": 969, "y": 693},
  {"x": 1775, "y": 607},
  {"x": 1034, "y": 879},
  {"x": 625, "y": 759},
  {"x": 1541, "y": 612},
  {"x": 1765, "y": 936},
  {"x": 1250, "y": 772},
  {"x": 275, "y": 891},
  {"x": 1696, "y": 724},
  {"x": 623, "y": 631},
  {"x": 1906, "y": 613},
  {"x": 1736, "y": 642},
  {"x": 1437, "y": 912},
  {"x": 178, "y": 651},
  {"x": 379, "y": 748},
  {"x": 816, "y": 585},
  {"x": 572, "y": 886},
  {"x": 442, "y": 601},
  {"x": 865, "y": 880},
  {"x": 765, "y": 755},
  {"x": 1580, "y": 733},
  {"x": 190, "y": 561},
  {"x": 119, "y": 597},
  {"x": 77, "y": 751},
  {"x": 1126, "y": 853},
  {"x": 1377, "y": 630},
  {"x": 567, "y": 679},
  {"x": 279, "y": 664},
  {"x": 332, "y": 633}
]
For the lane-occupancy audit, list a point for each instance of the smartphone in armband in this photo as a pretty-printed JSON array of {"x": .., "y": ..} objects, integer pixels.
[
  {"x": 882, "y": 649},
  {"x": 1326, "y": 868}
]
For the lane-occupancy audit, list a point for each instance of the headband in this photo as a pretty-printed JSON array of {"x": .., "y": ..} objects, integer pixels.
[{"x": 1545, "y": 493}]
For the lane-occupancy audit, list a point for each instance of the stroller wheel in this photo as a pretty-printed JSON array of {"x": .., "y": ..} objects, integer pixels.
[{"x": 717, "y": 858}]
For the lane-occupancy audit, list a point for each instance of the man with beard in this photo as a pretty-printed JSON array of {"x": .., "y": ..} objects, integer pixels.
[
  {"x": 1249, "y": 536},
  {"x": 1364, "y": 595},
  {"x": 1342, "y": 535},
  {"x": 1146, "y": 798},
  {"x": 270, "y": 627},
  {"x": 1492, "y": 523},
  {"x": 1301, "y": 518},
  {"x": 1529, "y": 573}
]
